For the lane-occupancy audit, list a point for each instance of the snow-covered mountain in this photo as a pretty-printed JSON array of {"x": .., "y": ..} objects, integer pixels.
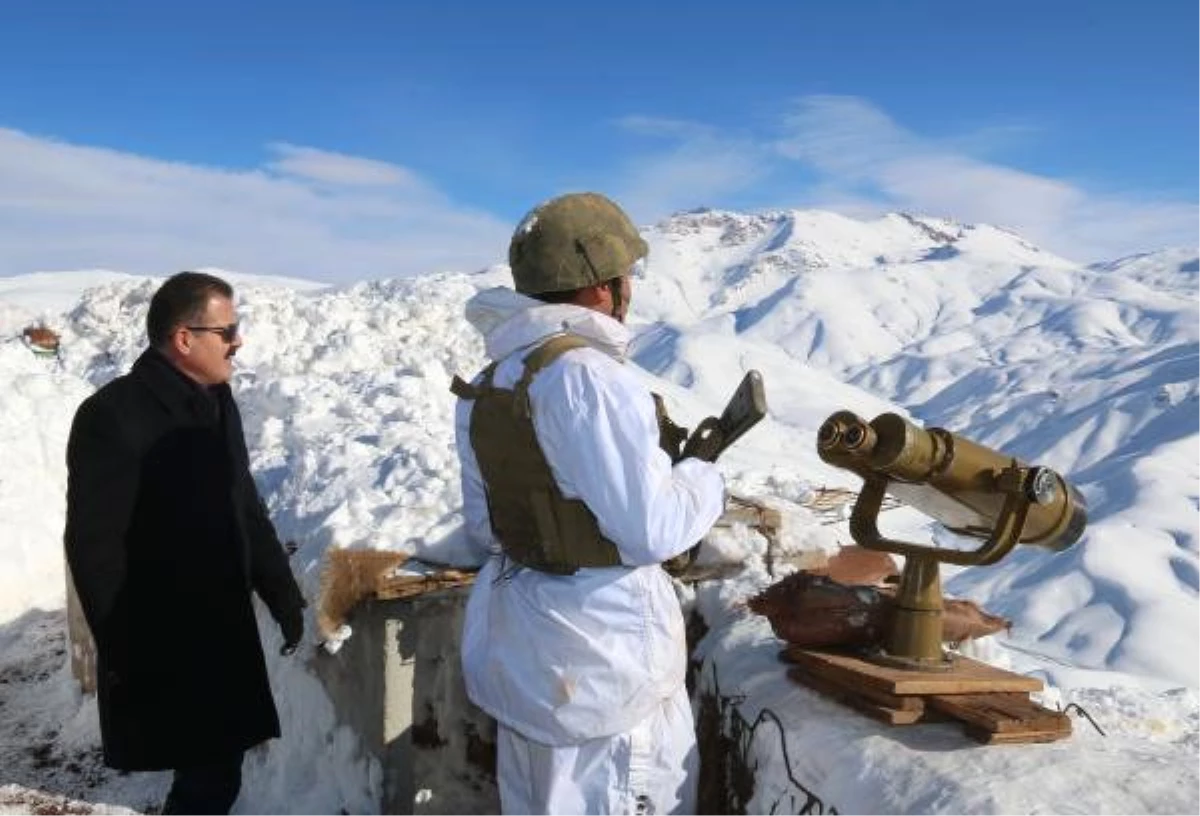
[{"x": 1090, "y": 370}]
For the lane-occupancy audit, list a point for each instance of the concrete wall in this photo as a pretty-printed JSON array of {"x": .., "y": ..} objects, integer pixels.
[{"x": 398, "y": 683}]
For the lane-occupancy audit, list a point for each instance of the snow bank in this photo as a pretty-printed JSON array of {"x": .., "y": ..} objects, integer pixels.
[{"x": 1089, "y": 370}]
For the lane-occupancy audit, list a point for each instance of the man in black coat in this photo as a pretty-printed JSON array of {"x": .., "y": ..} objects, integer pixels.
[{"x": 166, "y": 538}]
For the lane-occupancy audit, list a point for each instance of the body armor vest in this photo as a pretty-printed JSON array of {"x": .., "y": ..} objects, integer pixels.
[{"x": 536, "y": 525}]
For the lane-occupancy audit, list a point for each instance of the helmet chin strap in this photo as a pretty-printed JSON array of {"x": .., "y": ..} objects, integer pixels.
[
  {"x": 614, "y": 288},
  {"x": 614, "y": 284}
]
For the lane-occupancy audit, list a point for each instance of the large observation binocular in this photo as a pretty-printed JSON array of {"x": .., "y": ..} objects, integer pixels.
[{"x": 970, "y": 489}]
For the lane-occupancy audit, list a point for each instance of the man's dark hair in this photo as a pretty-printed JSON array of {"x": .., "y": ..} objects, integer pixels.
[{"x": 181, "y": 300}]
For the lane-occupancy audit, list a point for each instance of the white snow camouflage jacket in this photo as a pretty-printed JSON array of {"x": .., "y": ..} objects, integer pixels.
[{"x": 563, "y": 659}]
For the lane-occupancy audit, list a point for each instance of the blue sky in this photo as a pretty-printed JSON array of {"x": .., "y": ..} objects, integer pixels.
[{"x": 409, "y": 135}]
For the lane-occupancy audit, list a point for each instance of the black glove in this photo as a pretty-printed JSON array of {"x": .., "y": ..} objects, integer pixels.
[
  {"x": 679, "y": 564},
  {"x": 292, "y": 626},
  {"x": 670, "y": 436},
  {"x": 706, "y": 442}
]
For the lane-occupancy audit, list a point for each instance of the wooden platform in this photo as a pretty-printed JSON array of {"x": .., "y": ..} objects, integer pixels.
[{"x": 993, "y": 704}]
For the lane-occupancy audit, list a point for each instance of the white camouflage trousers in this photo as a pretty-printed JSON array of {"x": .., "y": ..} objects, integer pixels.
[{"x": 650, "y": 769}]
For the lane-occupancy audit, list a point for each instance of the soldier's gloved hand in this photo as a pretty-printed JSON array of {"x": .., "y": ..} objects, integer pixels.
[
  {"x": 292, "y": 627},
  {"x": 706, "y": 441},
  {"x": 670, "y": 435},
  {"x": 678, "y": 565}
]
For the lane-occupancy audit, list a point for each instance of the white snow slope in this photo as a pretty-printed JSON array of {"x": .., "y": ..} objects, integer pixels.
[{"x": 1090, "y": 370}]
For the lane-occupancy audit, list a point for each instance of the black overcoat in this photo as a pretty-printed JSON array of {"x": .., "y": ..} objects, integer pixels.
[{"x": 166, "y": 537}]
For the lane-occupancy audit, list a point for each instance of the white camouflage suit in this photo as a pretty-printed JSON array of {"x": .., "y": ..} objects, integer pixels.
[{"x": 585, "y": 673}]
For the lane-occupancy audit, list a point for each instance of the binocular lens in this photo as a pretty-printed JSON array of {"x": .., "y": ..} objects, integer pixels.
[
  {"x": 828, "y": 434},
  {"x": 1042, "y": 486}
]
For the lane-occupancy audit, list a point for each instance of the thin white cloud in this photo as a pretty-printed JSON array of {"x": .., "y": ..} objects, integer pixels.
[
  {"x": 306, "y": 213},
  {"x": 312, "y": 213},
  {"x": 693, "y": 176},
  {"x": 338, "y": 168},
  {"x": 666, "y": 128},
  {"x": 992, "y": 138},
  {"x": 699, "y": 167},
  {"x": 853, "y": 146},
  {"x": 843, "y": 136},
  {"x": 843, "y": 153}
]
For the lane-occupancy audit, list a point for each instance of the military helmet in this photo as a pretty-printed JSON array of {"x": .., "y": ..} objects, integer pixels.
[{"x": 571, "y": 242}]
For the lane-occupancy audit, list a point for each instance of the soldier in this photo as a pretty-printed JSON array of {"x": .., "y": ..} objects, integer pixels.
[
  {"x": 166, "y": 537},
  {"x": 574, "y": 639}
]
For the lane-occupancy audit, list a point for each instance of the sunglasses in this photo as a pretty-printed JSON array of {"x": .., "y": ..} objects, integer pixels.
[{"x": 227, "y": 333}]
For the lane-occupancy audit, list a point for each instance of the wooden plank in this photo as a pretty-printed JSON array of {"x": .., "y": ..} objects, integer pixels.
[
  {"x": 1002, "y": 713},
  {"x": 709, "y": 572},
  {"x": 966, "y": 677},
  {"x": 912, "y": 703},
  {"x": 912, "y": 712},
  {"x": 742, "y": 508},
  {"x": 750, "y": 516},
  {"x": 883, "y": 698},
  {"x": 407, "y": 586},
  {"x": 1013, "y": 737}
]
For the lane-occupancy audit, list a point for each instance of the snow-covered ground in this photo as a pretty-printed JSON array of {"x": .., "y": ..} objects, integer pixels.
[{"x": 1090, "y": 370}]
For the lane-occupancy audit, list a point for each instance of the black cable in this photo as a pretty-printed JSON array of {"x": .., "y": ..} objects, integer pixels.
[{"x": 1086, "y": 716}]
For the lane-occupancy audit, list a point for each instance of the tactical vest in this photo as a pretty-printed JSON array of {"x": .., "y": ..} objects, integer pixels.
[{"x": 537, "y": 526}]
